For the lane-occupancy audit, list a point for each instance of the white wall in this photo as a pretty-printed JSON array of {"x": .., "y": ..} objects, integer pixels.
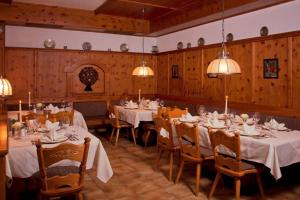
[
  {"x": 281, "y": 18},
  {"x": 19, "y": 36}
]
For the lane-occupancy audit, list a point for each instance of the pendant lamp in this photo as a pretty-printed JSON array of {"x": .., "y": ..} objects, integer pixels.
[
  {"x": 143, "y": 70},
  {"x": 223, "y": 64}
]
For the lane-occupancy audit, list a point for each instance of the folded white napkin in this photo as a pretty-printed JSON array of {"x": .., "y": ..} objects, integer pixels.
[
  {"x": 273, "y": 124},
  {"x": 52, "y": 127},
  {"x": 249, "y": 130},
  {"x": 215, "y": 123},
  {"x": 53, "y": 109},
  {"x": 188, "y": 117},
  {"x": 164, "y": 133},
  {"x": 131, "y": 104}
]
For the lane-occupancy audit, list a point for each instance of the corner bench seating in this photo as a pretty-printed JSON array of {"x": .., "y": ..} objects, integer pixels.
[
  {"x": 290, "y": 122},
  {"x": 95, "y": 113}
]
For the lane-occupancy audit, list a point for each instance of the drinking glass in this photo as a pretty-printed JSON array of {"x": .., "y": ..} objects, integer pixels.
[
  {"x": 256, "y": 118},
  {"x": 161, "y": 103},
  {"x": 63, "y": 105},
  {"x": 201, "y": 110}
]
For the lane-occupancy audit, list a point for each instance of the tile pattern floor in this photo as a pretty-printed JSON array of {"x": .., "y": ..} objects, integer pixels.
[{"x": 135, "y": 177}]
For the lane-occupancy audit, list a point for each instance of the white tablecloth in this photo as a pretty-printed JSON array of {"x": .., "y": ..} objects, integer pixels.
[
  {"x": 78, "y": 119},
  {"x": 274, "y": 152},
  {"x": 22, "y": 162},
  {"x": 134, "y": 116}
]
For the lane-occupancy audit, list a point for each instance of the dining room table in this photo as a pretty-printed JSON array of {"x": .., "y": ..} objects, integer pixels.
[
  {"x": 78, "y": 119},
  {"x": 22, "y": 162},
  {"x": 272, "y": 148},
  {"x": 135, "y": 115}
]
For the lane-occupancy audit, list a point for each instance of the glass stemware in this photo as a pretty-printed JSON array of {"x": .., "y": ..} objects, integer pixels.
[
  {"x": 161, "y": 103},
  {"x": 256, "y": 118}
]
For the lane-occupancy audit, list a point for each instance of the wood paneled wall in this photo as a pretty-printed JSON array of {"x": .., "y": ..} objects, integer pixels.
[
  {"x": 50, "y": 74},
  {"x": 248, "y": 90}
]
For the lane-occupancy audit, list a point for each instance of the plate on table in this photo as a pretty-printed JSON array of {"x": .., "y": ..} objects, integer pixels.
[
  {"x": 213, "y": 127},
  {"x": 47, "y": 140},
  {"x": 243, "y": 133},
  {"x": 131, "y": 108}
]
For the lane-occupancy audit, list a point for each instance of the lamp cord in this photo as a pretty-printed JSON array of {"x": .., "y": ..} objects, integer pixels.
[
  {"x": 223, "y": 34},
  {"x": 143, "y": 27}
]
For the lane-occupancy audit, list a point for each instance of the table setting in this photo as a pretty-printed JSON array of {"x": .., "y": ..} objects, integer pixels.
[
  {"x": 21, "y": 161},
  {"x": 270, "y": 142}
]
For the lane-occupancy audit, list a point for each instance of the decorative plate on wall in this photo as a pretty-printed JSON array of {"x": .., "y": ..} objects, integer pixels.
[
  {"x": 179, "y": 45},
  {"x": 49, "y": 43},
  {"x": 124, "y": 47},
  {"x": 229, "y": 37},
  {"x": 188, "y": 45},
  {"x": 201, "y": 41},
  {"x": 86, "y": 46},
  {"x": 154, "y": 49},
  {"x": 264, "y": 31}
]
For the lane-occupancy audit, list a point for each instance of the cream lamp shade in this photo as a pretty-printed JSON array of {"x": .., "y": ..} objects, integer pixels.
[
  {"x": 143, "y": 70},
  {"x": 5, "y": 87},
  {"x": 223, "y": 65}
]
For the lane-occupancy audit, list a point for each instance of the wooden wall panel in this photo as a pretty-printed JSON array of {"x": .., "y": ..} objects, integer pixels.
[
  {"x": 239, "y": 86},
  {"x": 51, "y": 78},
  {"x": 57, "y": 74},
  {"x": 176, "y": 84},
  {"x": 193, "y": 73},
  {"x": 19, "y": 70},
  {"x": 271, "y": 92},
  {"x": 295, "y": 72},
  {"x": 163, "y": 74},
  {"x": 213, "y": 88}
]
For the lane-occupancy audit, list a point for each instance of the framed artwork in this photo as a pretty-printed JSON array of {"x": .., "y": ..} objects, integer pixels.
[
  {"x": 271, "y": 68},
  {"x": 175, "y": 71}
]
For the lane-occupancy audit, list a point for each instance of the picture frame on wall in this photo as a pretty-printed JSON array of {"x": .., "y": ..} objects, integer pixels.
[
  {"x": 271, "y": 68},
  {"x": 175, "y": 71}
]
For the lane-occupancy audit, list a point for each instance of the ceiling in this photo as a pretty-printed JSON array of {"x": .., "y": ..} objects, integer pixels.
[
  {"x": 164, "y": 16},
  {"x": 77, "y": 4}
]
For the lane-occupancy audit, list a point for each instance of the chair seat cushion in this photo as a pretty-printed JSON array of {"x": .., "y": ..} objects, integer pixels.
[{"x": 58, "y": 171}]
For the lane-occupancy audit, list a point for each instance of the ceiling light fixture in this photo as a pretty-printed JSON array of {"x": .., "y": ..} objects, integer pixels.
[
  {"x": 143, "y": 70},
  {"x": 223, "y": 65}
]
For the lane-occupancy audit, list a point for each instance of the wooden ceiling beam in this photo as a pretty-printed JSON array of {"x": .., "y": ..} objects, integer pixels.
[
  {"x": 66, "y": 18},
  {"x": 149, "y": 4}
]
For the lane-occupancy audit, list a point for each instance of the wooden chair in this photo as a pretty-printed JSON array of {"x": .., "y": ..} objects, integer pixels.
[
  {"x": 175, "y": 112},
  {"x": 149, "y": 127},
  {"x": 62, "y": 180},
  {"x": 231, "y": 165},
  {"x": 117, "y": 124},
  {"x": 31, "y": 116},
  {"x": 169, "y": 144},
  {"x": 190, "y": 150},
  {"x": 66, "y": 116}
]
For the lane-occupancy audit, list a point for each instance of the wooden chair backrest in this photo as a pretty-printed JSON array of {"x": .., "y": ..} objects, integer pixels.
[
  {"x": 114, "y": 114},
  {"x": 189, "y": 140},
  {"x": 176, "y": 112},
  {"x": 49, "y": 156},
  {"x": 164, "y": 123},
  {"x": 226, "y": 149},
  {"x": 33, "y": 116},
  {"x": 64, "y": 116}
]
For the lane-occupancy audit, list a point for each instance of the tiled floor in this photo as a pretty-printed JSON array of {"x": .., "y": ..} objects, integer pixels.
[{"x": 136, "y": 178}]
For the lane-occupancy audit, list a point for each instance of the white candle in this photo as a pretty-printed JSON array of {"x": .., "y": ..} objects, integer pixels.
[
  {"x": 226, "y": 100},
  {"x": 139, "y": 95},
  {"x": 29, "y": 103},
  {"x": 20, "y": 110}
]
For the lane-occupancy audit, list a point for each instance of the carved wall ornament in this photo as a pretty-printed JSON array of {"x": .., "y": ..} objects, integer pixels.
[{"x": 88, "y": 76}]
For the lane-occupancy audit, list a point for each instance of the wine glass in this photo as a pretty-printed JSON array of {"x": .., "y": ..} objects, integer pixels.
[
  {"x": 63, "y": 105},
  {"x": 161, "y": 103},
  {"x": 256, "y": 118},
  {"x": 201, "y": 111}
]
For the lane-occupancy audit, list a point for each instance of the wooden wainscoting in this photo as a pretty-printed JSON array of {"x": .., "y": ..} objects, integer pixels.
[
  {"x": 52, "y": 75},
  {"x": 249, "y": 90}
]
